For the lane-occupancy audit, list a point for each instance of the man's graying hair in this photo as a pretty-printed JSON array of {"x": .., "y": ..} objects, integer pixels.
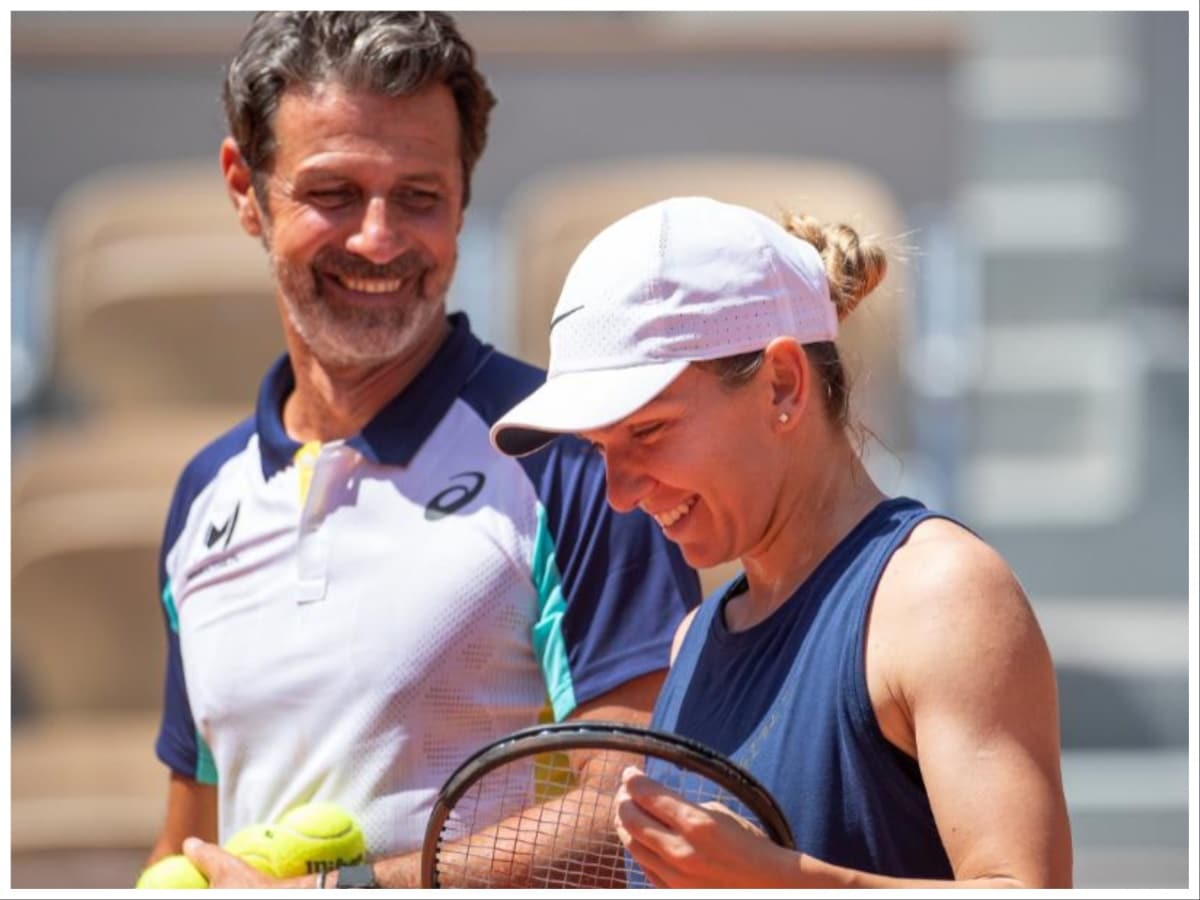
[{"x": 389, "y": 53}]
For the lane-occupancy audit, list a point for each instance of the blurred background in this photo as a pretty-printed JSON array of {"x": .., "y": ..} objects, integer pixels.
[{"x": 1027, "y": 370}]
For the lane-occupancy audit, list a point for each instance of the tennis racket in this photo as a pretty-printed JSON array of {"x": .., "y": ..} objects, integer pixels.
[{"x": 516, "y": 815}]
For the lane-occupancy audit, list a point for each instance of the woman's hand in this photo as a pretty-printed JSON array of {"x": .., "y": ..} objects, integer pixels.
[{"x": 685, "y": 845}]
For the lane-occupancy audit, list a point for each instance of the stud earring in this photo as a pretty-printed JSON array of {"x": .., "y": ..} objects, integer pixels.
[{"x": 783, "y": 417}]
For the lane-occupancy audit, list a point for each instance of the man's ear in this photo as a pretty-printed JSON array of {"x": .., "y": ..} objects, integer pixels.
[
  {"x": 239, "y": 182},
  {"x": 789, "y": 371}
]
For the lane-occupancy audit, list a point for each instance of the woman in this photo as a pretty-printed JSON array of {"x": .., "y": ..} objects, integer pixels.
[{"x": 877, "y": 666}]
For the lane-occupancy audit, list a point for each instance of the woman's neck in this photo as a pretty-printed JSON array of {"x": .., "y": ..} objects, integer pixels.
[{"x": 824, "y": 496}]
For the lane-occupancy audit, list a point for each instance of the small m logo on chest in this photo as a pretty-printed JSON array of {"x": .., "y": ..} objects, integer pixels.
[{"x": 215, "y": 534}]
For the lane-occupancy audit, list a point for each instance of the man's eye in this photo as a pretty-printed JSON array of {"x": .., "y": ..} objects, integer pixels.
[
  {"x": 332, "y": 197},
  {"x": 415, "y": 199}
]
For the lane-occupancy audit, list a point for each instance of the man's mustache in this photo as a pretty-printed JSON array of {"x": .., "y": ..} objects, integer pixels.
[{"x": 408, "y": 263}]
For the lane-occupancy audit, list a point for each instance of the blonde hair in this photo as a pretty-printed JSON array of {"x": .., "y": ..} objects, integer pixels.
[{"x": 854, "y": 266}]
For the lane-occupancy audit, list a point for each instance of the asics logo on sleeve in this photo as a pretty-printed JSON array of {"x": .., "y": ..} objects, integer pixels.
[
  {"x": 215, "y": 534},
  {"x": 455, "y": 497}
]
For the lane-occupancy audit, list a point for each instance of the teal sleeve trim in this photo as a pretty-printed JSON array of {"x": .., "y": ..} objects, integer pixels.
[
  {"x": 206, "y": 769},
  {"x": 549, "y": 645},
  {"x": 168, "y": 602}
]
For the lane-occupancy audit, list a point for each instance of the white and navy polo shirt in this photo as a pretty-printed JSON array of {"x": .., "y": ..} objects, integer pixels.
[{"x": 349, "y": 621}]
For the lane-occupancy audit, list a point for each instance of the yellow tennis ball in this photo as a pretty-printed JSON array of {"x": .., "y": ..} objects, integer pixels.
[
  {"x": 172, "y": 872},
  {"x": 255, "y": 844},
  {"x": 316, "y": 837}
]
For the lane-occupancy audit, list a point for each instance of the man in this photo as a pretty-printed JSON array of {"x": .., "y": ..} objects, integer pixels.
[{"x": 359, "y": 592}]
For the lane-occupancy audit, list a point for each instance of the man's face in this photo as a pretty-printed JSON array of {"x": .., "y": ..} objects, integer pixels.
[{"x": 362, "y": 211}]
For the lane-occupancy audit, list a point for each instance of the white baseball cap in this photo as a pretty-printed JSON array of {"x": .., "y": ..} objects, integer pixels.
[{"x": 683, "y": 280}]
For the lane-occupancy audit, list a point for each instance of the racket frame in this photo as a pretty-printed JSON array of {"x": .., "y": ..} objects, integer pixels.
[{"x": 595, "y": 735}]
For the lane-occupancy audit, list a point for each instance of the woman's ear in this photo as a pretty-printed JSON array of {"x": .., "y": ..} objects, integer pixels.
[
  {"x": 239, "y": 182},
  {"x": 786, "y": 366}
]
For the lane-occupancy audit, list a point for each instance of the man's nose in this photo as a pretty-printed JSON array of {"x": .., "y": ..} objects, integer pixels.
[{"x": 377, "y": 238}]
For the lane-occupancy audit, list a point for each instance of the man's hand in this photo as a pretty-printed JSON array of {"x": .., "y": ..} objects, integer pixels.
[
  {"x": 224, "y": 870},
  {"x": 399, "y": 871}
]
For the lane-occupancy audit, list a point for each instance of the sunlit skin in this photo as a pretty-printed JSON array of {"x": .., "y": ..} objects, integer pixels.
[
  {"x": 361, "y": 217},
  {"x": 957, "y": 670},
  {"x": 775, "y": 495},
  {"x": 361, "y": 214}
]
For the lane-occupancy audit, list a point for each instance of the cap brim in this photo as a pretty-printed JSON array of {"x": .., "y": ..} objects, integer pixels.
[{"x": 580, "y": 401}]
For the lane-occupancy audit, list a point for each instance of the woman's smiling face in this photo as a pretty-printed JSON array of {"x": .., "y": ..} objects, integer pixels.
[{"x": 700, "y": 458}]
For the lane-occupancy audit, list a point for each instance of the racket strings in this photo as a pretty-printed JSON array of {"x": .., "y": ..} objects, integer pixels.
[{"x": 528, "y": 823}]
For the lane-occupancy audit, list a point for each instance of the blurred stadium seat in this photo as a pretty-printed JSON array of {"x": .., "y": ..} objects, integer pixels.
[
  {"x": 550, "y": 220},
  {"x": 89, "y": 503},
  {"x": 88, "y": 506},
  {"x": 164, "y": 323},
  {"x": 159, "y": 297}
]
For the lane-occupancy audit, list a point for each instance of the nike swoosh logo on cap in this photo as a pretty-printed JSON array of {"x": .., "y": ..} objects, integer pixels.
[{"x": 562, "y": 316}]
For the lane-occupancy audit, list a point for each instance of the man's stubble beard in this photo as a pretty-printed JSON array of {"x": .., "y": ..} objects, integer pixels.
[{"x": 342, "y": 334}]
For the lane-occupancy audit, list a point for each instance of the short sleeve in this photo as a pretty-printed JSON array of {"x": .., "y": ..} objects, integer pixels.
[
  {"x": 179, "y": 744},
  {"x": 612, "y": 589}
]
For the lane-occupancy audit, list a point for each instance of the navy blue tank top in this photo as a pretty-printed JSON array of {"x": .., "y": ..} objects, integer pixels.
[{"x": 787, "y": 699}]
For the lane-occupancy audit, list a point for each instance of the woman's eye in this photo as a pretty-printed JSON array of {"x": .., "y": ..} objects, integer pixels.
[{"x": 645, "y": 431}]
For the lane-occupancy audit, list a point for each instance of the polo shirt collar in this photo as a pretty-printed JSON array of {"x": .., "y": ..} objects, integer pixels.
[{"x": 398, "y": 430}]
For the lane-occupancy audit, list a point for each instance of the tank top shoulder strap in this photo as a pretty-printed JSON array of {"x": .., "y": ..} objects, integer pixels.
[
  {"x": 702, "y": 623},
  {"x": 893, "y": 523},
  {"x": 888, "y": 526}
]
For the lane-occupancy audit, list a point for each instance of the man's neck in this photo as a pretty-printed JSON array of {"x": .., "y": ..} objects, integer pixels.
[{"x": 330, "y": 402}]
